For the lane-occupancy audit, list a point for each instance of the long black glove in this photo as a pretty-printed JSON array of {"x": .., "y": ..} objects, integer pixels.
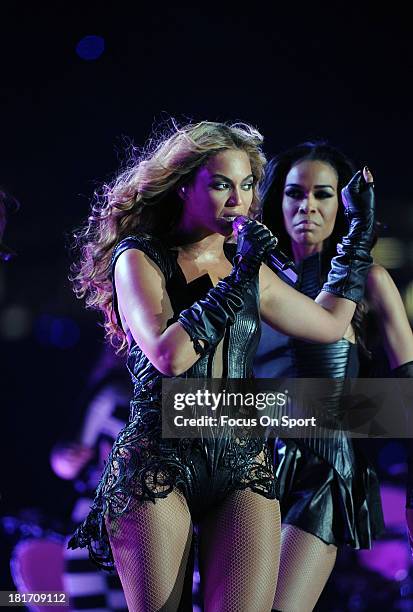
[
  {"x": 350, "y": 266},
  {"x": 206, "y": 320}
]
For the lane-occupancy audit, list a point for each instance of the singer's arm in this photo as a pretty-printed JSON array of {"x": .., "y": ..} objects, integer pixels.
[{"x": 294, "y": 314}]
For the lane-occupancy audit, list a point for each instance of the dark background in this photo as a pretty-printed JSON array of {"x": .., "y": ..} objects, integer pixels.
[{"x": 338, "y": 71}]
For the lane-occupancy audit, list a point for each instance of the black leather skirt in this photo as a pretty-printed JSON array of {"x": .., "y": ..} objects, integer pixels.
[{"x": 337, "y": 508}]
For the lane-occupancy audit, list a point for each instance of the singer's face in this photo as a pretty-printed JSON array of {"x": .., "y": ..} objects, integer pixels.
[
  {"x": 310, "y": 202},
  {"x": 221, "y": 190}
]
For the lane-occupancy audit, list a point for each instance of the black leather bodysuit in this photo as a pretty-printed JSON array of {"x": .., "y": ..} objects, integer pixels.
[
  {"x": 144, "y": 466},
  {"x": 326, "y": 485}
]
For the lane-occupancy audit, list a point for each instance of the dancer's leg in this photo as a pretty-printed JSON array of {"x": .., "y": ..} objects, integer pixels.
[
  {"x": 305, "y": 566},
  {"x": 151, "y": 546},
  {"x": 239, "y": 553}
]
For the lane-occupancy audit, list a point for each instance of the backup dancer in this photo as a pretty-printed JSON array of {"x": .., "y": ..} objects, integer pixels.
[{"x": 329, "y": 493}]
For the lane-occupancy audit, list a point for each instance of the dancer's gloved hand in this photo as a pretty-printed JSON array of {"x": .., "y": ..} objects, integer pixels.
[
  {"x": 206, "y": 320},
  {"x": 359, "y": 202},
  {"x": 358, "y": 194},
  {"x": 254, "y": 241},
  {"x": 350, "y": 267}
]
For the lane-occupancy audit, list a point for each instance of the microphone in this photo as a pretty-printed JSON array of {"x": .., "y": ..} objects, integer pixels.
[{"x": 278, "y": 261}]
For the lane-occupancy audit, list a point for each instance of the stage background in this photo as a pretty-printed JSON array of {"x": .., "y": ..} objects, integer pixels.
[{"x": 336, "y": 71}]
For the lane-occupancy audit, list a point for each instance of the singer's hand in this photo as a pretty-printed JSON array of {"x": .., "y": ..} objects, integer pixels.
[{"x": 254, "y": 241}]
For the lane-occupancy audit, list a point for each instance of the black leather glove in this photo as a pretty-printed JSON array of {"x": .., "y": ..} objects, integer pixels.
[
  {"x": 254, "y": 241},
  {"x": 359, "y": 202},
  {"x": 206, "y": 320},
  {"x": 350, "y": 266}
]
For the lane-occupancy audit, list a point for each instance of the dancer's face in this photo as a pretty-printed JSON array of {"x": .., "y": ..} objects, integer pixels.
[
  {"x": 310, "y": 202},
  {"x": 220, "y": 191}
]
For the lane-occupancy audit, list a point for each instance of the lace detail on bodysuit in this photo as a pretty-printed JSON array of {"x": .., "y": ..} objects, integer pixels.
[{"x": 142, "y": 465}]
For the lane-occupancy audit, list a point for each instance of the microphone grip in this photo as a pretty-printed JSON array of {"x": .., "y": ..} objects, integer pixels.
[
  {"x": 276, "y": 259},
  {"x": 279, "y": 262}
]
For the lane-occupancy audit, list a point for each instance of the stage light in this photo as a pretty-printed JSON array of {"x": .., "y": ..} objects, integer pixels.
[
  {"x": 60, "y": 332},
  {"x": 408, "y": 300},
  {"x": 390, "y": 253},
  {"x": 389, "y": 558},
  {"x": 356, "y": 603},
  {"x": 401, "y": 575},
  {"x": 64, "y": 333},
  {"x": 391, "y": 456},
  {"x": 90, "y": 47},
  {"x": 15, "y": 322}
]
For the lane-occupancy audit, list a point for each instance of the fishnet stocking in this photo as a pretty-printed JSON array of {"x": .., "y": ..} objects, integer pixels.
[
  {"x": 305, "y": 565},
  {"x": 239, "y": 553},
  {"x": 151, "y": 546}
]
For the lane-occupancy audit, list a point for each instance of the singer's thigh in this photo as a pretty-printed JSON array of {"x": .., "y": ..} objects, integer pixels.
[
  {"x": 151, "y": 545},
  {"x": 239, "y": 553}
]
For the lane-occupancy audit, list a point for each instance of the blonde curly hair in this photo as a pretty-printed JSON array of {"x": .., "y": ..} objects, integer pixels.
[{"x": 143, "y": 198}]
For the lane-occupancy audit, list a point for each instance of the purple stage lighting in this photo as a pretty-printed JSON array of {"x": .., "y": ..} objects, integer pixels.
[
  {"x": 60, "y": 332},
  {"x": 90, "y": 47},
  {"x": 392, "y": 458}
]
